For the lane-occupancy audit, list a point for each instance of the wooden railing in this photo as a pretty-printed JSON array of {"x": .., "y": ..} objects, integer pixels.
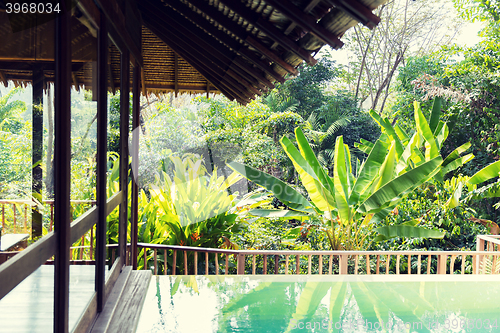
[
  {"x": 172, "y": 260},
  {"x": 16, "y": 214}
]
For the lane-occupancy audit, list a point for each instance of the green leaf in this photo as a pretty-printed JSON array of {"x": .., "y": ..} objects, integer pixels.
[
  {"x": 319, "y": 192},
  {"x": 281, "y": 213},
  {"x": 281, "y": 190},
  {"x": 431, "y": 148},
  {"x": 340, "y": 174},
  {"x": 436, "y": 112},
  {"x": 391, "y": 132},
  {"x": 486, "y": 173},
  {"x": 408, "y": 231},
  {"x": 399, "y": 186}
]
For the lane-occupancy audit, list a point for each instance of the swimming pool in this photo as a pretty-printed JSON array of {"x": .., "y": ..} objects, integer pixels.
[{"x": 322, "y": 304}]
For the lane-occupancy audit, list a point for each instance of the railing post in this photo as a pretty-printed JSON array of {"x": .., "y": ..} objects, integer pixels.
[
  {"x": 479, "y": 258},
  {"x": 442, "y": 263},
  {"x": 241, "y": 264},
  {"x": 343, "y": 264}
]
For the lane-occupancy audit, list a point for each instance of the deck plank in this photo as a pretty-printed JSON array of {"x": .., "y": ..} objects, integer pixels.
[
  {"x": 29, "y": 307},
  {"x": 123, "y": 308}
]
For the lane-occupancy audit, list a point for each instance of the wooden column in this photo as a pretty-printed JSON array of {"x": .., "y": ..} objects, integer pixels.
[
  {"x": 102, "y": 129},
  {"x": 37, "y": 149},
  {"x": 135, "y": 159},
  {"x": 124, "y": 124},
  {"x": 62, "y": 153}
]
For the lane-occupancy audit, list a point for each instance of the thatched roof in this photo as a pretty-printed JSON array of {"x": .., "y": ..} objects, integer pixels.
[{"x": 238, "y": 47}]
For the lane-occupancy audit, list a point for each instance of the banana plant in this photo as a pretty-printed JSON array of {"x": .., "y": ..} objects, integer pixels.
[{"x": 350, "y": 203}]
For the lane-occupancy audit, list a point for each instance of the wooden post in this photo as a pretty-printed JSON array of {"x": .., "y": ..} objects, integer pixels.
[
  {"x": 276, "y": 264},
  {"x": 37, "y": 149},
  {"x": 442, "y": 263},
  {"x": 135, "y": 160},
  {"x": 62, "y": 154},
  {"x": 124, "y": 124},
  {"x": 241, "y": 264},
  {"x": 102, "y": 130},
  {"x": 343, "y": 264}
]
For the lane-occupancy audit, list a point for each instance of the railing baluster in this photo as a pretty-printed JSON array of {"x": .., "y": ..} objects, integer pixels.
[
  {"x": 368, "y": 272},
  {"x": 378, "y": 264},
  {"x": 463, "y": 264},
  {"x": 419, "y": 264},
  {"x": 145, "y": 258},
  {"x": 51, "y": 216},
  {"x": 409, "y": 264},
  {"x": 155, "y": 261},
  {"x": 81, "y": 249},
  {"x": 91, "y": 242},
  {"x": 227, "y": 264},
  {"x": 206, "y": 263},
  {"x": 165, "y": 263},
  {"x": 112, "y": 256},
  {"x": 429, "y": 262},
  {"x": 25, "y": 218},
  {"x": 387, "y": 263},
  {"x": 264, "y": 266},
  {"x": 494, "y": 265},
  {"x": 3, "y": 217},
  {"x": 356, "y": 264},
  {"x": 185, "y": 263},
  {"x": 297, "y": 264},
  {"x": 398, "y": 259},
  {"x": 286, "y": 264},
  {"x": 309, "y": 264},
  {"x": 195, "y": 263},
  {"x": 253, "y": 264},
  {"x": 320, "y": 264},
  {"x": 452, "y": 263},
  {"x": 14, "y": 208},
  {"x": 174, "y": 262},
  {"x": 216, "y": 264},
  {"x": 276, "y": 264}
]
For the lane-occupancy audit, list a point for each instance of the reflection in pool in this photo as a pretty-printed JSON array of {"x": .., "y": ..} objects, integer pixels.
[{"x": 322, "y": 304}]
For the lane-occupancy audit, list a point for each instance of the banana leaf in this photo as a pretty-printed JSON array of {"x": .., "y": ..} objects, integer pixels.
[
  {"x": 281, "y": 190},
  {"x": 431, "y": 148},
  {"x": 391, "y": 132},
  {"x": 400, "y": 185},
  {"x": 436, "y": 112},
  {"x": 488, "y": 172},
  {"x": 340, "y": 174},
  {"x": 282, "y": 213}
]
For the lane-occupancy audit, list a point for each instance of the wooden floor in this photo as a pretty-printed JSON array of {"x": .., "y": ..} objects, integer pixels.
[{"x": 29, "y": 307}]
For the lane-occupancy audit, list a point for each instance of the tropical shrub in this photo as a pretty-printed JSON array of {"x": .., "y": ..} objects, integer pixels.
[{"x": 351, "y": 203}]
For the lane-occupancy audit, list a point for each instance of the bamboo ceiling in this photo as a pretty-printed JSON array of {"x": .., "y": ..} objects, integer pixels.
[{"x": 240, "y": 48}]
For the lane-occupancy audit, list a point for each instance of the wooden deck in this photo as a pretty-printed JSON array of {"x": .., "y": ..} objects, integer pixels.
[
  {"x": 29, "y": 307},
  {"x": 123, "y": 307}
]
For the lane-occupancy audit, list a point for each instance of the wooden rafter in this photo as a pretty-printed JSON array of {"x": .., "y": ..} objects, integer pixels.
[
  {"x": 358, "y": 11},
  {"x": 306, "y": 21},
  {"x": 270, "y": 30},
  {"x": 226, "y": 39}
]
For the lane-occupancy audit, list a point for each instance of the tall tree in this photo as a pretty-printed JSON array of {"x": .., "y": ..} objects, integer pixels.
[{"x": 407, "y": 28}]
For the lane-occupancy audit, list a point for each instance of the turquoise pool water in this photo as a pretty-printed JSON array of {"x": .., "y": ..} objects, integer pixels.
[{"x": 322, "y": 304}]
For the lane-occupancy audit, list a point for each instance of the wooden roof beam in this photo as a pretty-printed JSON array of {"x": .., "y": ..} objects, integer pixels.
[
  {"x": 213, "y": 53},
  {"x": 226, "y": 39},
  {"x": 270, "y": 30},
  {"x": 205, "y": 69},
  {"x": 358, "y": 11},
  {"x": 306, "y": 21}
]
